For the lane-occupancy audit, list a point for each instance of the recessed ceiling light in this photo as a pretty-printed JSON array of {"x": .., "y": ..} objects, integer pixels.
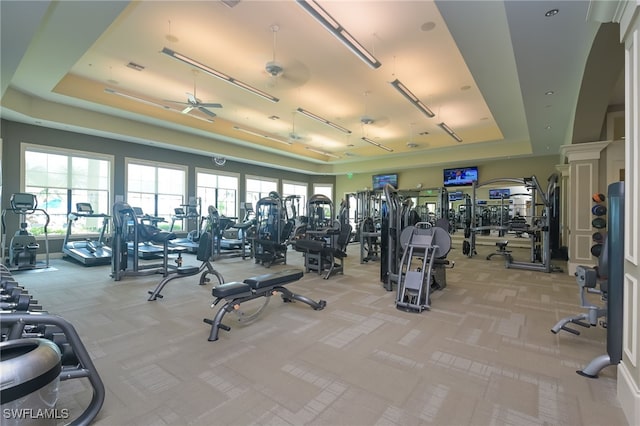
[
  {"x": 548, "y": 127},
  {"x": 549, "y": 92},
  {"x": 466, "y": 87},
  {"x": 274, "y": 117},
  {"x": 552, "y": 12},
  {"x": 428, "y": 26}
]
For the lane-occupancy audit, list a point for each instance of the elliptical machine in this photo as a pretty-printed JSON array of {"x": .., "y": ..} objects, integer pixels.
[{"x": 23, "y": 246}]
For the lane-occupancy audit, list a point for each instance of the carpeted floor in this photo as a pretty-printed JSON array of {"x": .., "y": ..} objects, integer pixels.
[{"x": 483, "y": 355}]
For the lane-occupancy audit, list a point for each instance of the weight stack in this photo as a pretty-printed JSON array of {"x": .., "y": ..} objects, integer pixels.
[{"x": 599, "y": 223}]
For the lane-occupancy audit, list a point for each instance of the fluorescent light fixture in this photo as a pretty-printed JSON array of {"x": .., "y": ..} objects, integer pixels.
[
  {"x": 450, "y": 131},
  {"x": 215, "y": 73},
  {"x": 262, "y": 135},
  {"x": 379, "y": 145},
  {"x": 412, "y": 98},
  {"x": 317, "y": 151},
  {"x": 338, "y": 31},
  {"x": 323, "y": 120}
]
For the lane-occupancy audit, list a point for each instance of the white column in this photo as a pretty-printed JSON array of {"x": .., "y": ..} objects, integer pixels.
[
  {"x": 627, "y": 13},
  {"x": 584, "y": 178},
  {"x": 564, "y": 171}
]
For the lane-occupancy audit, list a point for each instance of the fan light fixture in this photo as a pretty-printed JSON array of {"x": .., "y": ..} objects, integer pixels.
[
  {"x": 323, "y": 120},
  {"x": 317, "y": 151},
  {"x": 262, "y": 135},
  {"x": 450, "y": 131},
  {"x": 412, "y": 98},
  {"x": 379, "y": 145},
  {"x": 147, "y": 102},
  {"x": 215, "y": 73},
  {"x": 338, "y": 31}
]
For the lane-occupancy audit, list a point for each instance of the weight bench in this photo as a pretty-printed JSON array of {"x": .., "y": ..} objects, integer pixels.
[{"x": 266, "y": 285}]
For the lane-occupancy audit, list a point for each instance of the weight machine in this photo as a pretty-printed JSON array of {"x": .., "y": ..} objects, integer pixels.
[
  {"x": 23, "y": 247},
  {"x": 368, "y": 224},
  {"x": 273, "y": 231},
  {"x": 539, "y": 232}
]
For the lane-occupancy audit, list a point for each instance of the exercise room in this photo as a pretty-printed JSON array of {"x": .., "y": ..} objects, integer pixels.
[{"x": 309, "y": 213}]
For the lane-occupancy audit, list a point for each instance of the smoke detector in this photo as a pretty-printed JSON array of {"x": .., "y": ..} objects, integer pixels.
[
  {"x": 366, "y": 119},
  {"x": 274, "y": 68}
]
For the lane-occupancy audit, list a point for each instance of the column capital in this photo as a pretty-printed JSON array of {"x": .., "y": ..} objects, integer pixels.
[
  {"x": 583, "y": 151},
  {"x": 563, "y": 169}
]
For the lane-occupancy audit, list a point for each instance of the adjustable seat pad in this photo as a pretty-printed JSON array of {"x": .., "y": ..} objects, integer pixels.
[
  {"x": 314, "y": 246},
  {"x": 236, "y": 289},
  {"x": 277, "y": 278}
]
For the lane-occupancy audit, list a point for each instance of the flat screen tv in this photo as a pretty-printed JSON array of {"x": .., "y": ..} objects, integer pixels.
[
  {"x": 498, "y": 194},
  {"x": 455, "y": 196},
  {"x": 460, "y": 176},
  {"x": 379, "y": 181}
]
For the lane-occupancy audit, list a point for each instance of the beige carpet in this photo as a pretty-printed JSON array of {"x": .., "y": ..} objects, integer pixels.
[{"x": 483, "y": 355}]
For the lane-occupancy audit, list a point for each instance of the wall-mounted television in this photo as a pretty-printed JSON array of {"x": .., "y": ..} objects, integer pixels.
[
  {"x": 379, "y": 181},
  {"x": 460, "y": 176},
  {"x": 498, "y": 194},
  {"x": 455, "y": 196}
]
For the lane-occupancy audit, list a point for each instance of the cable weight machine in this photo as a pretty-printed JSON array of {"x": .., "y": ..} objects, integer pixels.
[{"x": 541, "y": 220}]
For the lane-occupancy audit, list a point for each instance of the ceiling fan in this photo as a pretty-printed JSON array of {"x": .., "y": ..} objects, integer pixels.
[
  {"x": 194, "y": 103},
  {"x": 295, "y": 74}
]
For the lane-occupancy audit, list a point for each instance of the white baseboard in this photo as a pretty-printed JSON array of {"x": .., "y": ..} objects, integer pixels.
[{"x": 628, "y": 395}]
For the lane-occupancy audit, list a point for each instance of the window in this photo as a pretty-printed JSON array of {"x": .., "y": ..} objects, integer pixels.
[
  {"x": 258, "y": 188},
  {"x": 300, "y": 191},
  {"x": 156, "y": 189},
  {"x": 219, "y": 191},
  {"x": 325, "y": 189},
  {"x": 61, "y": 178}
]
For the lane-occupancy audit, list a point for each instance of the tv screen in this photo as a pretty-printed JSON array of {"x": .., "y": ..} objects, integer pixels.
[
  {"x": 455, "y": 196},
  {"x": 379, "y": 181},
  {"x": 498, "y": 194},
  {"x": 461, "y": 176}
]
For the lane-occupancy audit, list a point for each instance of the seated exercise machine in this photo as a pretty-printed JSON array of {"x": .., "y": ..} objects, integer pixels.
[
  {"x": 611, "y": 273},
  {"x": 266, "y": 285},
  {"x": 129, "y": 231},
  {"x": 88, "y": 252},
  {"x": 422, "y": 267},
  {"x": 273, "y": 231},
  {"x": 325, "y": 253},
  {"x": 587, "y": 279},
  {"x": 204, "y": 256},
  {"x": 23, "y": 246}
]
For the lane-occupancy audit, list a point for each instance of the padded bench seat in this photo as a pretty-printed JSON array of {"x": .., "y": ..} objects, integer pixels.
[
  {"x": 276, "y": 278},
  {"x": 236, "y": 289}
]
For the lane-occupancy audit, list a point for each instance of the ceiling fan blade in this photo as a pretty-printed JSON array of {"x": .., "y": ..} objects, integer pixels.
[
  {"x": 187, "y": 110},
  {"x": 176, "y": 102},
  {"x": 210, "y": 105},
  {"x": 206, "y": 111}
]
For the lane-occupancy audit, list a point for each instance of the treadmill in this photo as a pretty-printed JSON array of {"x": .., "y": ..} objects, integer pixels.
[{"x": 88, "y": 252}]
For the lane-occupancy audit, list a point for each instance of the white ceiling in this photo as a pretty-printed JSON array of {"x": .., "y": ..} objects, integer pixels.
[{"x": 482, "y": 66}]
